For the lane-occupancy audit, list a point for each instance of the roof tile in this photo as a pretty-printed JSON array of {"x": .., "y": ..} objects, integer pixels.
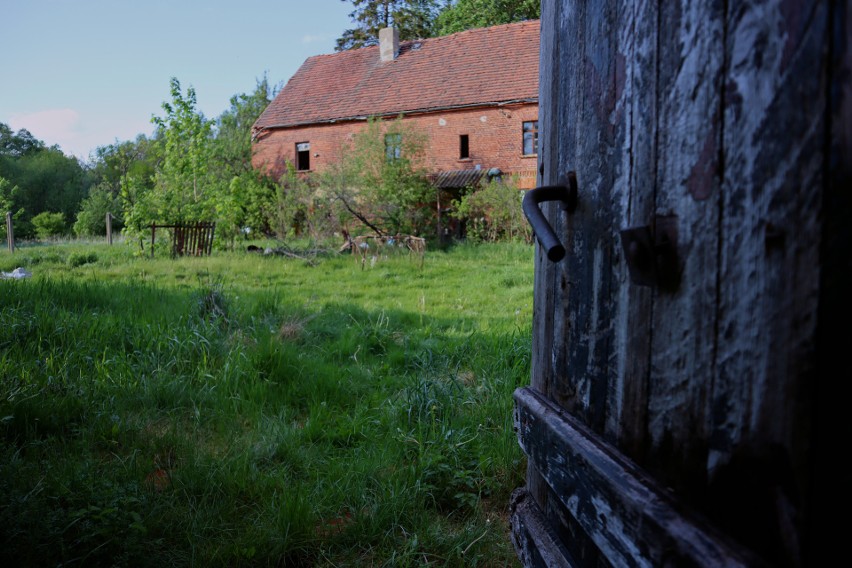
[{"x": 474, "y": 67}]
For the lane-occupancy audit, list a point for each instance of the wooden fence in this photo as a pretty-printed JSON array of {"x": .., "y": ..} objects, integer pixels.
[{"x": 192, "y": 239}]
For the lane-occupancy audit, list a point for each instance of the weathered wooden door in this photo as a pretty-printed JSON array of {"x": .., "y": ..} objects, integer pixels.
[{"x": 685, "y": 353}]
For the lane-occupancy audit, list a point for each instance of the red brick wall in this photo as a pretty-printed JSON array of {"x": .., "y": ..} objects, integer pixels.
[{"x": 494, "y": 134}]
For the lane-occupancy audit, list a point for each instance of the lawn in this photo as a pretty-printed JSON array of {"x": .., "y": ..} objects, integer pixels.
[{"x": 251, "y": 410}]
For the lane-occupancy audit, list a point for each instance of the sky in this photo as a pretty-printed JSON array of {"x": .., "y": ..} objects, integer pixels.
[{"x": 87, "y": 73}]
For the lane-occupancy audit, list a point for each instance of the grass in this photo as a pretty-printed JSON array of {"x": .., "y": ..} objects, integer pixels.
[{"x": 248, "y": 410}]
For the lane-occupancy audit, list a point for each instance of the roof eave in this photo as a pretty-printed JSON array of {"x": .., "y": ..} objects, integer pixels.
[{"x": 420, "y": 111}]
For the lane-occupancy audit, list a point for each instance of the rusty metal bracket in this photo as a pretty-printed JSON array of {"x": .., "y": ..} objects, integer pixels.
[
  {"x": 567, "y": 195},
  {"x": 651, "y": 253}
]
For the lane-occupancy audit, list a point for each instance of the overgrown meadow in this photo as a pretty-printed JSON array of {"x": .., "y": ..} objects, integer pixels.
[{"x": 251, "y": 410}]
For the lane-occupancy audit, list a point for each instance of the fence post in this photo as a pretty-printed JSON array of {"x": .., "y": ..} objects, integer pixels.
[
  {"x": 109, "y": 228},
  {"x": 10, "y": 235}
]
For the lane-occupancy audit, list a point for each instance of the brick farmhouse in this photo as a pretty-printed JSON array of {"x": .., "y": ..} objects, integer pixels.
[{"x": 472, "y": 95}]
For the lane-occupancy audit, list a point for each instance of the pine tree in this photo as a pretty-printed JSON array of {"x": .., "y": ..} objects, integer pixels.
[{"x": 413, "y": 18}]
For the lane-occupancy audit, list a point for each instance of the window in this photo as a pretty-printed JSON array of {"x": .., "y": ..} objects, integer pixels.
[
  {"x": 464, "y": 147},
  {"x": 393, "y": 146},
  {"x": 531, "y": 138},
  {"x": 303, "y": 156}
]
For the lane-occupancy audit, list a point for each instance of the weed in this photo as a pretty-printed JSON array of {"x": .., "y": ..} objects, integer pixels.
[{"x": 211, "y": 302}]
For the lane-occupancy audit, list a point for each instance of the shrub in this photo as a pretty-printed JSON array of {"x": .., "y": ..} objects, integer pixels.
[
  {"x": 80, "y": 258},
  {"x": 91, "y": 220},
  {"x": 493, "y": 212},
  {"x": 49, "y": 224}
]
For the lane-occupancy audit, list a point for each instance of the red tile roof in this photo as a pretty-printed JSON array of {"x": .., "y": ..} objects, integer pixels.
[{"x": 476, "y": 67}]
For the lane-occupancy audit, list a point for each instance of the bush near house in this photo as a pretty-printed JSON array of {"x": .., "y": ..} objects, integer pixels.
[{"x": 493, "y": 212}]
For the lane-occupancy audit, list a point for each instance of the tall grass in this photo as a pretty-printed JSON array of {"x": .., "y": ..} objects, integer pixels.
[{"x": 245, "y": 410}]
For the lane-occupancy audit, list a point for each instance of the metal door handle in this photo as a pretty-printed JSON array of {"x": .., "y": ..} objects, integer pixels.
[{"x": 567, "y": 195}]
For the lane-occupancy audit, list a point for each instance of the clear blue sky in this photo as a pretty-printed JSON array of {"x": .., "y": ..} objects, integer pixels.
[{"x": 85, "y": 73}]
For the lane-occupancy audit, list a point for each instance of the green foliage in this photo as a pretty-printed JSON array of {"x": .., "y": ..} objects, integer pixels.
[
  {"x": 138, "y": 207},
  {"x": 182, "y": 190},
  {"x": 244, "y": 198},
  {"x": 49, "y": 224},
  {"x": 45, "y": 179},
  {"x": 417, "y": 19},
  {"x": 116, "y": 163},
  {"x": 194, "y": 169},
  {"x": 249, "y": 205},
  {"x": 493, "y": 212},
  {"x": 413, "y": 18},
  {"x": 76, "y": 259},
  {"x": 18, "y": 144},
  {"x": 8, "y": 193},
  {"x": 384, "y": 194},
  {"x": 126, "y": 171},
  {"x": 306, "y": 209},
  {"x": 231, "y": 150},
  {"x": 467, "y": 14},
  {"x": 91, "y": 220}
]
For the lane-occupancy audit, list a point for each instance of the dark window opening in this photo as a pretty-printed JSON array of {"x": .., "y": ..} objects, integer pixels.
[
  {"x": 303, "y": 156},
  {"x": 393, "y": 146},
  {"x": 531, "y": 138},
  {"x": 464, "y": 147}
]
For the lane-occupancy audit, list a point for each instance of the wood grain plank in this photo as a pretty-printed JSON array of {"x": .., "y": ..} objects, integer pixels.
[
  {"x": 544, "y": 286},
  {"x": 774, "y": 156},
  {"x": 533, "y": 537},
  {"x": 689, "y": 87},
  {"x": 587, "y": 112},
  {"x": 630, "y": 518},
  {"x": 633, "y": 205}
]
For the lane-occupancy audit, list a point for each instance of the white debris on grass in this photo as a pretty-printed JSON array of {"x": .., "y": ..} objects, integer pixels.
[{"x": 16, "y": 274}]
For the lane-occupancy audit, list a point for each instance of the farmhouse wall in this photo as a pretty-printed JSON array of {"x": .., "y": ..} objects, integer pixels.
[{"x": 495, "y": 140}]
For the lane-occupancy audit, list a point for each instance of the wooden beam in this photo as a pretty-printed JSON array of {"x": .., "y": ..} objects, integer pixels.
[
  {"x": 631, "y": 520},
  {"x": 532, "y": 537}
]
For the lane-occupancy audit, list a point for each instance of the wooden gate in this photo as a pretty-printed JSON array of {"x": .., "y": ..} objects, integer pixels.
[
  {"x": 193, "y": 239},
  {"x": 691, "y": 305}
]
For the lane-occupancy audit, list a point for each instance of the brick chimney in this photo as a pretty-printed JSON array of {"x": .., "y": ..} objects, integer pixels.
[{"x": 389, "y": 43}]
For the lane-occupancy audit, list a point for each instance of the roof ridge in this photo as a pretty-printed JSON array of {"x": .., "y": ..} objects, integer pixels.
[
  {"x": 427, "y": 39},
  {"x": 476, "y": 67}
]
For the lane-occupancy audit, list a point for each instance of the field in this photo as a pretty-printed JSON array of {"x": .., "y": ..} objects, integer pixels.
[{"x": 250, "y": 410}]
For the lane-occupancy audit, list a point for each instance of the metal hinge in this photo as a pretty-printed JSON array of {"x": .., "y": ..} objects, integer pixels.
[{"x": 651, "y": 253}]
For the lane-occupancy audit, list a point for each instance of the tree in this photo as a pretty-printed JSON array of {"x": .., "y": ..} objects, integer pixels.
[
  {"x": 91, "y": 220},
  {"x": 463, "y": 15},
  {"x": 8, "y": 193},
  {"x": 380, "y": 180},
  {"x": 115, "y": 163},
  {"x": 413, "y": 18},
  {"x": 232, "y": 146},
  {"x": 181, "y": 189},
  {"x": 247, "y": 204},
  {"x": 244, "y": 197},
  {"x": 123, "y": 173},
  {"x": 18, "y": 144},
  {"x": 192, "y": 169},
  {"x": 307, "y": 208},
  {"x": 45, "y": 178},
  {"x": 138, "y": 208}
]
